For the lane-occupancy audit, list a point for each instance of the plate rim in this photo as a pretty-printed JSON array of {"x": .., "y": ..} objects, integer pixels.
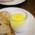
[{"x": 16, "y": 8}]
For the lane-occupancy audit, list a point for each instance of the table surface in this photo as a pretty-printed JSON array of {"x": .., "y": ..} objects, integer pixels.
[{"x": 29, "y": 5}]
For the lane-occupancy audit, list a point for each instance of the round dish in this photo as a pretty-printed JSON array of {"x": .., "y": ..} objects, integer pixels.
[
  {"x": 28, "y": 27},
  {"x": 14, "y": 2}
]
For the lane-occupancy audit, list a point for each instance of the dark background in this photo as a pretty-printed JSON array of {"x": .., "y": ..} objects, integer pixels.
[{"x": 29, "y": 5}]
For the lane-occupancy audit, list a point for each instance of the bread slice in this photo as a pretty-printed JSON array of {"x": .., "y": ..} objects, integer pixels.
[{"x": 4, "y": 24}]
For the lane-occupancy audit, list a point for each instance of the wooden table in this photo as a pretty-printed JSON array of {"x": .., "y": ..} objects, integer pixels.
[{"x": 29, "y": 5}]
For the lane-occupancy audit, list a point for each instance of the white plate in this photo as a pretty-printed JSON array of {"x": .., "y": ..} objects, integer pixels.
[
  {"x": 29, "y": 26},
  {"x": 14, "y": 2}
]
